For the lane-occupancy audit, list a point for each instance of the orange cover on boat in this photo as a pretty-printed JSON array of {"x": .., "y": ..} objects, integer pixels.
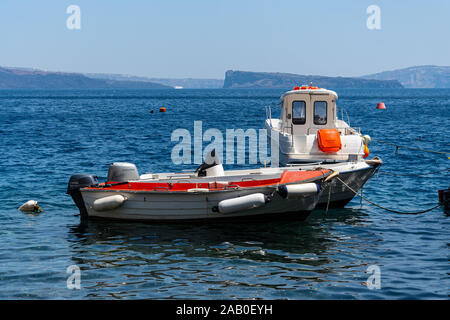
[
  {"x": 301, "y": 176},
  {"x": 329, "y": 140}
]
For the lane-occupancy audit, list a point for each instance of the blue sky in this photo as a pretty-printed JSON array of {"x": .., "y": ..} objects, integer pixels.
[{"x": 204, "y": 38}]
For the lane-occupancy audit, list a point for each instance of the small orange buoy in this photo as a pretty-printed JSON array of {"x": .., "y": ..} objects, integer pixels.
[
  {"x": 381, "y": 105},
  {"x": 162, "y": 109}
]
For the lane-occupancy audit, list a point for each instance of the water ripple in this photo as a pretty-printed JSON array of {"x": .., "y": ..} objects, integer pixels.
[{"x": 49, "y": 135}]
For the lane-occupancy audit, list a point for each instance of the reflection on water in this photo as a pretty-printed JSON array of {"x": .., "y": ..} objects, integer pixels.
[{"x": 214, "y": 260}]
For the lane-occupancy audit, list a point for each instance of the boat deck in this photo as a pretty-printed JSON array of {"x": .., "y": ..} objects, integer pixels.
[{"x": 216, "y": 183}]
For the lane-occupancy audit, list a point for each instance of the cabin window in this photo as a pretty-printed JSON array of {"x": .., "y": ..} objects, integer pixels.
[
  {"x": 320, "y": 112},
  {"x": 299, "y": 112}
]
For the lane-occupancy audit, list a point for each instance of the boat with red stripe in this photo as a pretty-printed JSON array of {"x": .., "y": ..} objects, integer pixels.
[{"x": 209, "y": 193}]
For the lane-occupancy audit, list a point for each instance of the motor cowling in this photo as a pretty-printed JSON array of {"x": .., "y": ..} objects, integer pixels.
[
  {"x": 77, "y": 182},
  {"x": 211, "y": 167},
  {"x": 122, "y": 172}
]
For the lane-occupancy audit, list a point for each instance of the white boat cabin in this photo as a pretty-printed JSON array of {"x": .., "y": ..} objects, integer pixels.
[{"x": 310, "y": 131}]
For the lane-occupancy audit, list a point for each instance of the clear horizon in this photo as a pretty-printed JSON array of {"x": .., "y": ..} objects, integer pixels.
[{"x": 203, "y": 39}]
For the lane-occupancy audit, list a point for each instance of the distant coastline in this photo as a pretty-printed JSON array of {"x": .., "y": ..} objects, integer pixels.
[
  {"x": 412, "y": 77},
  {"x": 186, "y": 83},
  {"x": 245, "y": 79},
  {"x": 417, "y": 77},
  {"x": 20, "y": 78}
]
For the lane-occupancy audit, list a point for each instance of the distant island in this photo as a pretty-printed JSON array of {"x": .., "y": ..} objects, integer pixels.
[
  {"x": 245, "y": 79},
  {"x": 21, "y": 78},
  {"x": 417, "y": 77},
  {"x": 412, "y": 77},
  {"x": 186, "y": 83}
]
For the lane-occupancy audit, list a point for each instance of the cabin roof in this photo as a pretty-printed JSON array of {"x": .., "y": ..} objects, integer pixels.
[{"x": 319, "y": 91}]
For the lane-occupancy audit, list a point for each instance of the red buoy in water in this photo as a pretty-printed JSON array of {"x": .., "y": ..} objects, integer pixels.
[{"x": 381, "y": 105}]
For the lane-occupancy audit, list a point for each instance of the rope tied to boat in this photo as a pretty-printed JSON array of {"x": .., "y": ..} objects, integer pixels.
[
  {"x": 329, "y": 198},
  {"x": 411, "y": 148},
  {"x": 384, "y": 208}
]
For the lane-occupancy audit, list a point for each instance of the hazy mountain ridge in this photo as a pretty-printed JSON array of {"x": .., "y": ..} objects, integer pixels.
[
  {"x": 187, "y": 83},
  {"x": 246, "y": 79},
  {"x": 429, "y": 76},
  {"x": 25, "y": 78},
  {"x": 417, "y": 77}
]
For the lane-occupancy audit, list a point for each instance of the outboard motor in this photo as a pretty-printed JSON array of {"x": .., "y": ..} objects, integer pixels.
[
  {"x": 211, "y": 167},
  {"x": 77, "y": 182},
  {"x": 444, "y": 198}
]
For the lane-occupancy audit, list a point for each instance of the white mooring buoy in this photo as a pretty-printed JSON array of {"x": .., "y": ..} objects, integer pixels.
[{"x": 30, "y": 206}]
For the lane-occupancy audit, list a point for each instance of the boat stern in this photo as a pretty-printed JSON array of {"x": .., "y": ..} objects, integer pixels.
[{"x": 76, "y": 183}]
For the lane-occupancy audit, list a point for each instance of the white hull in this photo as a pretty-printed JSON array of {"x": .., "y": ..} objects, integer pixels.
[
  {"x": 186, "y": 196},
  {"x": 157, "y": 206},
  {"x": 172, "y": 206}
]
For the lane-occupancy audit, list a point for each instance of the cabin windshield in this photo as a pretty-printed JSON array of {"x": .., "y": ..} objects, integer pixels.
[
  {"x": 320, "y": 112},
  {"x": 299, "y": 112}
]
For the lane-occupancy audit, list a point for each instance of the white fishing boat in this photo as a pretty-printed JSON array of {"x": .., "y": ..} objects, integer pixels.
[
  {"x": 208, "y": 193},
  {"x": 309, "y": 134}
]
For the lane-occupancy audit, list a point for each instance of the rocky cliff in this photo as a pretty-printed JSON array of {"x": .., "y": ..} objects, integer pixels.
[{"x": 244, "y": 79}]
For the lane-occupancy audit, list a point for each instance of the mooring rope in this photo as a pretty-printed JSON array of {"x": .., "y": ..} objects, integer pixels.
[
  {"x": 329, "y": 198},
  {"x": 410, "y": 148},
  {"x": 384, "y": 208}
]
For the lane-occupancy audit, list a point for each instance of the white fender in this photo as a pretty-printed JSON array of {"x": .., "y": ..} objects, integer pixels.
[
  {"x": 298, "y": 190},
  {"x": 198, "y": 190},
  {"x": 374, "y": 162},
  {"x": 366, "y": 139},
  {"x": 332, "y": 176},
  {"x": 251, "y": 201},
  {"x": 108, "y": 203}
]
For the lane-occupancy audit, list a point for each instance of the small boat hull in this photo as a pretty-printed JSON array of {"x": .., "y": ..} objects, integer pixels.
[
  {"x": 158, "y": 206},
  {"x": 186, "y": 196}
]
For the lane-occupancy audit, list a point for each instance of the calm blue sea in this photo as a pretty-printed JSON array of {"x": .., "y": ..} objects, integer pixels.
[{"x": 46, "y": 136}]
